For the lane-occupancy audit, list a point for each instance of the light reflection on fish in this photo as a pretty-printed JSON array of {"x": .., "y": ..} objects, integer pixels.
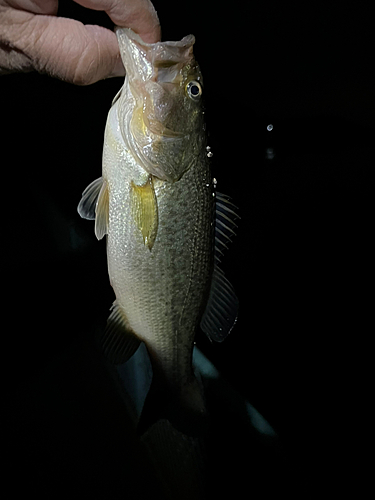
[{"x": 165, "y": 223}]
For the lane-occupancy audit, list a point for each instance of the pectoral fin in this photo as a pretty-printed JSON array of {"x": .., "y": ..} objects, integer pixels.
[
  {"x": 145, "y": 211},
  {"x": 102, "y": 212},
  {"x": 87, "y": 205},
  {"x": 94, "y": 204}
]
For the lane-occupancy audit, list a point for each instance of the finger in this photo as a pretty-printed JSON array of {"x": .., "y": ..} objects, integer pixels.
[
  {"x": 139, "y": 15},
  {"x": 68, "y": 50},
  {"x": 46, "y": 7}
]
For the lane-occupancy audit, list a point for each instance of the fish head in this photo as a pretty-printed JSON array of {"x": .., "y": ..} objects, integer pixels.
[{"x": 165, "y": 127}]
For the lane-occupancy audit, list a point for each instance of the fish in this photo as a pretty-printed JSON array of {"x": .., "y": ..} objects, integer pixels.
[{"x": 165, "y": 223}]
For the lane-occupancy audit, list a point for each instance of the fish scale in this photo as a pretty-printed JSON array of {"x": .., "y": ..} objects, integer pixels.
[
  {"x": 156, "y": 202},
  {"x": 147, "y": 275},
  {"x": 156, "y": 320}
]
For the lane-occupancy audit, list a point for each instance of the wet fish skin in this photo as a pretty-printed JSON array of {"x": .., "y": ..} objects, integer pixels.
[{"x": 156, "y": 204}]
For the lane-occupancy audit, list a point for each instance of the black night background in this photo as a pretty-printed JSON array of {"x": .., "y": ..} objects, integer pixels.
[{"x": 300, "y": 262}]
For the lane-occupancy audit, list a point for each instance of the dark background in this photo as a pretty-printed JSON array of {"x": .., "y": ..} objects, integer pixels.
[{"x": 300, "y": 263}]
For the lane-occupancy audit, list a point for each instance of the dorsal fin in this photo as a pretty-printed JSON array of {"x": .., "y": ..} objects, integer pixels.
[
  {"x": 221, "y": 311},
  {"x": 222, "y": 307},
  {"x": 225, "y": 225}
]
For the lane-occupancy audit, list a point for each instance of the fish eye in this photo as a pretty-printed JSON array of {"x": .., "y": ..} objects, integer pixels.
[{"x": 194, "y": 90}]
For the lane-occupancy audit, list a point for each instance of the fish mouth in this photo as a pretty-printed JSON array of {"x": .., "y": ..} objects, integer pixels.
[
  {"x": 147, "y": 59},
  {"x": 154, "y": 70},
  {"x": 154, "y": 120},
  {"x": 160, "y": 62}
]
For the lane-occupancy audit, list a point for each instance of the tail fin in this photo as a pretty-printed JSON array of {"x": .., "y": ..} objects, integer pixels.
[
  {"x": 185, "y": 411},
  {"x": 180, "y": 461}
]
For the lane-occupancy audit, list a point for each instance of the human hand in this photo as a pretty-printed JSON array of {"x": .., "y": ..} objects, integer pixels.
[{"x": 32, "y": 37}]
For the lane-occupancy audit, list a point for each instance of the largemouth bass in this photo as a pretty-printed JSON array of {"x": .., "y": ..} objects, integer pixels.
[{"x": 165, "y": 223}]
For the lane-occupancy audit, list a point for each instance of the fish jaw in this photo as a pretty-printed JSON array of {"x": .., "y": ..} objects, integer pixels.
[
  {"x": 165, "y": 128},
  {"x": 143, "y": 61}
]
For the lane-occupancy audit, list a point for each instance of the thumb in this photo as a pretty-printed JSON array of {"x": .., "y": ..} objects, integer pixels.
[
  {"x": 77, "y": 53},
  {"x": 69, "y": 50}
]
